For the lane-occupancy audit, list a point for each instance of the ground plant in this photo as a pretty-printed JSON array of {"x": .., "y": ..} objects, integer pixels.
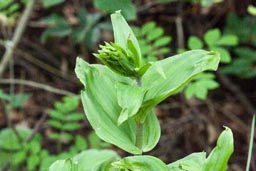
[{"x": 119, "y": 97}]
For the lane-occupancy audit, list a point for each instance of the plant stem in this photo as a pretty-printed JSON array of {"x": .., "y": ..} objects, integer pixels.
[
  {"x": 139, "y": 135},
  {"x": 139, "y": 126}
]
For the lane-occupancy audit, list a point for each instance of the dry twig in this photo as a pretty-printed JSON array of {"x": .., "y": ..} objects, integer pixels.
[{"x": 11, "y": 45}]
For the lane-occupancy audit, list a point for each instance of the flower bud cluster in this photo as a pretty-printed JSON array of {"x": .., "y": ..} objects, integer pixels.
[{"x": 119, "y": 60}]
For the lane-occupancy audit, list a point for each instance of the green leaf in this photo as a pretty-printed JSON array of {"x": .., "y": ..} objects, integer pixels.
[
  {"x": 154, "y": 34},
  {"x": 122, "y": 32},
  {"x": 56, "y": 114},
  {"x": 141, "y": 163},
  {"x": 66, "y": 137},
  {"x": 32, "y": 162},
  {"x": 179, "y": 70},
  {"x": 19, "y": 157},
  {"x": 162, "y": 41},
  {"x": 34, "y": 147},
  {"x": 166, "y": 1},
  {"x": 200, "y": 86},
  {"x": 147, "y": 28},
  {"x": 51, "y": 3},
  {"x": 63, "y": 165},
  {"x": 55, "y": 124},
  {"x": 194, "y": 43},
  {"x": 219, "y": 156},
  {"x": 4, "y": 96},
  {"x": 224, "y": 54},
  {"x": 80, "y": 143},
  {"x": 17, "y": 100},
  {"x": 212, "y": 36},
  {"x": 92, "y": 160},
  {"x": 110, "y": 6},
  {"x": 129, "y": 99},
  {"x": 55, "y": 136},
  {"x": 9, "y": 140},
  {"x": 228, "y": 40},
  {"x": 57, "y": 27},
  {"x": 192, "y": 162},
  {"x": 103, "y": 114},
  {"x": 75, "y": 117},
  {"x": 71, "y": 126}
]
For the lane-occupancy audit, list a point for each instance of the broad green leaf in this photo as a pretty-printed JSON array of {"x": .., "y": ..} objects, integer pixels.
[
  {"x": 194, "y": 43},
  {"x": 103, "y": 114},
  {"x": 192, "y": 162},
  {"x": 50, "y": 3},
  {"x": 219, "y": 156},
  {"x": 179, "y": 70},
  {"x": 129, "y": 99},
  {"x": 212, "y": 36},
  {"x": 122, "y": 32},
  {"x": 140, "y": 163},
  {"x": 224, "y": 54},
  {"x": 228, "y": 40},
  {"x": 92, "y": 160},
  {"x": 64, "y": 165},
  {"x": 110, "y": 6}
]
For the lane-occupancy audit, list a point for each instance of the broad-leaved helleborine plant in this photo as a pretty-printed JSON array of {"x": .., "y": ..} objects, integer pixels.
[{"x": 119, "y": 97}]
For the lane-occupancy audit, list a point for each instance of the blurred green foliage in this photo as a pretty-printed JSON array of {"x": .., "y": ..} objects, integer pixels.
[
  {"x": 153, "y": 43},
  {"x": 127, "y": 8},
  {"x": 64, "y": 119},
  {"x": 215, "y": 41},
  {"x": 88, "y": 30}
]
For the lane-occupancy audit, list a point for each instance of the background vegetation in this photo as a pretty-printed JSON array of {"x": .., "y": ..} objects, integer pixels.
[{"x": 41, "y": 116}]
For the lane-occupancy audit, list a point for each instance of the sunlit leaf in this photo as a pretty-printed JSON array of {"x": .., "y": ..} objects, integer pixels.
[{"x": 141, "y": 163}]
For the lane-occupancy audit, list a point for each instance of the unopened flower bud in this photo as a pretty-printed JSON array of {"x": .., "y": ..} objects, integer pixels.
[{"x": 118, "y": 60}]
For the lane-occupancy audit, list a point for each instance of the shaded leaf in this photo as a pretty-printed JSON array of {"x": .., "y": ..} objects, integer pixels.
[
  {"x": 194, "y": 43},
  {"x": 142, "y": 163},
  {"x": 228, "y": 40},
  {"x": 192, "y": 162},
  {"x": 219, "y": 156},
  {"x": 212, "y": 36},
  {"x": 126, "y": 6}
]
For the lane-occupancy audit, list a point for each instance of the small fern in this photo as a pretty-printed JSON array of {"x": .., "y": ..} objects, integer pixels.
[
  {"x": 215, "y": 41},
  {"x": 152, "y": 41},
  {"x": 64, "y": 119}
]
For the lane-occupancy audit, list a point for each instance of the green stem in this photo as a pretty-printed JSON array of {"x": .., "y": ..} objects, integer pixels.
[
  {"x": 139, "y": 135},
  {"x": 139, "y": 126}
]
